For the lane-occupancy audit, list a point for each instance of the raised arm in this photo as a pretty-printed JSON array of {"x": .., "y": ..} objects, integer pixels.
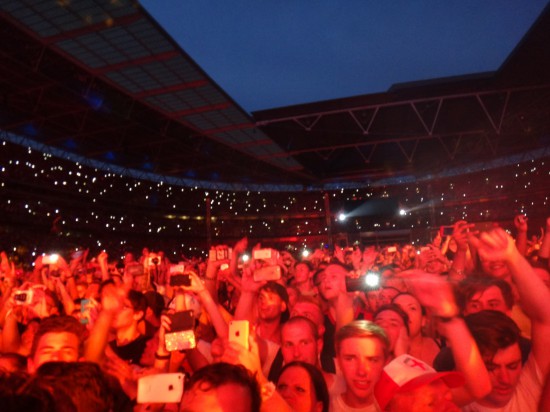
[
  {"x": 111, "y": 303},
  {"x": 533, "y": 293},
  {"x": 461, "y": 263},
  {"x": 208, "y": 303},
  {"x": 520, "y": 222},
  {"x": 436, "y": 294}
]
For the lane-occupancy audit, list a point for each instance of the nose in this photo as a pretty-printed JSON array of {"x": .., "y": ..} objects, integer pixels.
[
  {"x": 297, "y": 352},
  {"x": 503, "y": 375},
  {"x": 363, "y": 368},
  {"x": 55, "y": 356}
]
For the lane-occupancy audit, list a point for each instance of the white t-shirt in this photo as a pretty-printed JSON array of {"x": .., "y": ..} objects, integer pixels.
[
  {"x": 337, "y": 404},
  {"x": 526, "y": 396}
]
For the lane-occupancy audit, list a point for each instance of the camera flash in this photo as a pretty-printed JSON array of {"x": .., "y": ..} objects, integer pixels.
[{"x": 372, "y": 279}]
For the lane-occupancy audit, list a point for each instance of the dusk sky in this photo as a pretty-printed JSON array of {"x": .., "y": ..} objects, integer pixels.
[{"x": 273, "y": 53}]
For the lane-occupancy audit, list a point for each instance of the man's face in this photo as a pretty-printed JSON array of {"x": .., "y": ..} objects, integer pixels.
[
  {"x": 226, "y": 397},
  {"x": 298, "y": 343},
  {"x": 126, "y": 316},
  {"x": 434, "y": 397},
  {"x": 504, "y": 370},
  {"x": 55, "y": 346},
  {"x": 270, "y": 305},
  {"x": 361, "y": 361},
  {"x": 301, "y": 274},
  {"x": 392, "y": 323},
  {"x": 491, "y": 298},
  {"x": 332, "y": 282}
]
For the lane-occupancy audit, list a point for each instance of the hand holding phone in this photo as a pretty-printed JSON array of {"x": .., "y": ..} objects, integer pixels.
[
  {"x": 239, "y": 332},
  {"x": 267, "y": 273},
  {"x": 181, "y": 335},
  {"x": 180, "y": 280},
  {"x": 160, "y": 388}
]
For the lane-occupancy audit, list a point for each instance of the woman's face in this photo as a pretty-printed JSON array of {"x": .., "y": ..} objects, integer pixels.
[
  {"x": 296, "y": 388},
  {"x": 412, "y": 307}
]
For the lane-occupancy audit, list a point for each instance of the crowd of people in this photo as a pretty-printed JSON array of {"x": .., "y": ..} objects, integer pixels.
[{"x": 462, "y": 323}]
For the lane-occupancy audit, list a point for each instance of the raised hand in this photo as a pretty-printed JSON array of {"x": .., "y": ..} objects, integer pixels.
[
  {"x": 520, "y": 222},
  {"x": 495, "y": 245}
]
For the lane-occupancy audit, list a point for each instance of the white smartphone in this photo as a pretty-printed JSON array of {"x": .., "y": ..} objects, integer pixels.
[
  {"x": 160, "y": 388},
  {"x": 239, "y": 331}
]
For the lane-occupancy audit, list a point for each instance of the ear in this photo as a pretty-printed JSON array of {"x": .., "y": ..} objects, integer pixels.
[
  {"x": 283, "y": 305},
  {"x": 319, "y": 346},
  {"x": 139, "y": 315}
]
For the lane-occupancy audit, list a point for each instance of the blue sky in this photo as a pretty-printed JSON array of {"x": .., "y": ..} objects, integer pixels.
[{"x": 273, "y": 53}]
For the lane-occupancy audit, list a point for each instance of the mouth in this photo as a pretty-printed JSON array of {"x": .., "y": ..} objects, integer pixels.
[
  {"x": 503, "y": 390},
  {"x": 362, "y": 384}
]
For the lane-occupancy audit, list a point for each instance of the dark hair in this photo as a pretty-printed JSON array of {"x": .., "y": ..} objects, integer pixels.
[
  {"x": 138, "y": 301},
  {"x": 18, "y": 361},
  {"x": 470, "y": 286},
  {"x": 317, "y": 381},
  {"x": 218, "y": 374},
  {"x": 280, "y": 290},
  {"x": 394, "y": 308},
  {"x": 14, "y": 399},
  {"x": 155, "y": 301},
  {"x": 78, "y": 386},
  {"x": 422, "y": 308},
  {"x": 492, "y": 330},
  {"x": 59, "y": 324}
]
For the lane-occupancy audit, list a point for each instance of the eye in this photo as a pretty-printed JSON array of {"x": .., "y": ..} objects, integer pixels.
[
  {"x": 490, "y": 367},
  {"x": 514, "y": 366}
]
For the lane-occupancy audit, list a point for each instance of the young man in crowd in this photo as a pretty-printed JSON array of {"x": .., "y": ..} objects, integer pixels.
[
  {"x": 300, "y": 341},
  {"x": 129, "y": 344},
  {"x": 362, "y": 349},
  {"x": 58, "y": 338}
]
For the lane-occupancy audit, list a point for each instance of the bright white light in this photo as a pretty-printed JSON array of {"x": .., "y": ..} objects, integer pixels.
[
  {"x": 402, "y": 212},
  {"x": 341, "y": 217},
  {"x": 372, "y": 280},
  {"x": 305, "y": 253},
  {"x": 245, "y": 258}
]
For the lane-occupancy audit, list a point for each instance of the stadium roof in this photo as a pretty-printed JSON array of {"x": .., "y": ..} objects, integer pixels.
[{"x": 103, "y": 81}]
